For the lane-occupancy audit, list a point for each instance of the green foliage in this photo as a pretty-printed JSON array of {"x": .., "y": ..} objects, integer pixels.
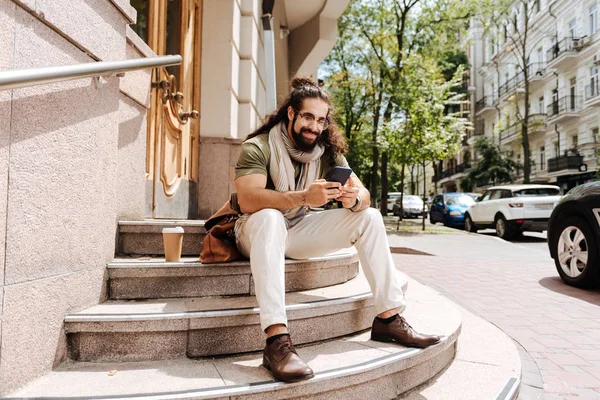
[
  {"x": 493, "y": 167},
  {"x": 393, "y": 74}
]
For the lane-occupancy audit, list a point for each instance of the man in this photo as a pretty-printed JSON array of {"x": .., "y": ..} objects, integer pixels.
[{"x": 279, "y": 174}]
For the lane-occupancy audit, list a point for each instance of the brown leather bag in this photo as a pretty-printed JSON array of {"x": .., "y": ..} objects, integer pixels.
[{"x": 219, "y": 244}]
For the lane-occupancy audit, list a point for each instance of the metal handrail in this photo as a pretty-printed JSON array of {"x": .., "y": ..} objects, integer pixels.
[{"x": 18, "y": 78}]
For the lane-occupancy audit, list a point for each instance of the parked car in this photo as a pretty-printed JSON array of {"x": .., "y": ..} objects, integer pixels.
[
  {"x": 449, "y": 208},
  {"x": 513, "y": 209},
  {"x": 428, "y": 200},
  {"x": 574, "y": 236},
  {"x": 475, "y": 196},
  {"x": 391, "y": 199},
  {"x": 412, "y": 205}
]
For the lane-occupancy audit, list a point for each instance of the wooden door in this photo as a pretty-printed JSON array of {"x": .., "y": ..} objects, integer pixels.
[{"x": 173, "y": 27}]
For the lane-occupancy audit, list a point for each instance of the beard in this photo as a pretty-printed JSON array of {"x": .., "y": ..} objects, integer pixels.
[{"x": 301, "y": 142}]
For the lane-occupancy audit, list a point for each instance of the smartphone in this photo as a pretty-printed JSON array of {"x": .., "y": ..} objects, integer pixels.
[{"x": 340, "y": 174}]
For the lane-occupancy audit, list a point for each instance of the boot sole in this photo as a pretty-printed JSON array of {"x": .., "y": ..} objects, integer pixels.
[{"x": 387, "y": 339}]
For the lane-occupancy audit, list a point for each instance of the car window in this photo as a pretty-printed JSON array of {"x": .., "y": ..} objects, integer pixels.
[
  {"x": 496, "y": 194},
  {"x": 537, "y": 192},
  {"x": 506, "y": 194},
  {"x": 461, "y": 200},
  {"x": 413, "y": 199},
  {"x": 485, "y": 196}
]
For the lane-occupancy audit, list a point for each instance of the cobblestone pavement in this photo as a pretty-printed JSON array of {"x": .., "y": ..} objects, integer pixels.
[{"x": 556, "y": 327}]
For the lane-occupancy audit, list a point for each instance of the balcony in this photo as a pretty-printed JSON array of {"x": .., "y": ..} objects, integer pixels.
[
  {"x": 592, "y": 93},
  {"x": 484, "y": 105},
  {"x": 537, "y": 74},
  {"x": 563, "y": 55},
  {"x": 537, "y": 123},
  {"x": 564, "y": 163},
  {"x": 510, "y": 85},
  {"x": 563, "y": 109},
  {"x": 510, "y": 133}
]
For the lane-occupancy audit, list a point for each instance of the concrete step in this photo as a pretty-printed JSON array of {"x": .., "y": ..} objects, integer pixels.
[
  {"x": 351, "y": 367},
  {"x": 145, "y": 237},
  {"x": 146, "y": 277},
  {"x": 121, "y": 330}
]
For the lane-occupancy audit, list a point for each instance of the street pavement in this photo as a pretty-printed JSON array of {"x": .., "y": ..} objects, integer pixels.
[{"x": 515, "y": 286}]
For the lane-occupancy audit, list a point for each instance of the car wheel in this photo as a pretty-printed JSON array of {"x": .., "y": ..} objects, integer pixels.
[
  {"x": 577, "y": 260},
  {"x": 469, "y": 225},
  {"x": 503, "y": 231}
]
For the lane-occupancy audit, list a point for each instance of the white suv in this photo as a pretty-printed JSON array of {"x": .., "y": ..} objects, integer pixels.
[{"x": 512, "y": 209}]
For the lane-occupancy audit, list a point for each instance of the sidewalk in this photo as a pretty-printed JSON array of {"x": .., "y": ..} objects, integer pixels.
[{"x": 519, "y": 291}]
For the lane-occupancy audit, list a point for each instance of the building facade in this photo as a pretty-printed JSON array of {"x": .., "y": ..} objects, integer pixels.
[
  {"x": 549, "y": 53},
  {"x": 78, "y": 156}
]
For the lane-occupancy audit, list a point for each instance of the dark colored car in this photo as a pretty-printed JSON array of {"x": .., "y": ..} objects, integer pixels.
[
  {"x": 574, "y": 236},
  {"x": 449, "y": 208}
]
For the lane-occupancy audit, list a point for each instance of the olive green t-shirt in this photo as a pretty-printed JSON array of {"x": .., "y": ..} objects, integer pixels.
[{"x": 255, "y": 156}]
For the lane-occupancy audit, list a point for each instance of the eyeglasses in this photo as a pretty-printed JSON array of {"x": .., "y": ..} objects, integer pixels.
[{"x": 307, "y": 119}]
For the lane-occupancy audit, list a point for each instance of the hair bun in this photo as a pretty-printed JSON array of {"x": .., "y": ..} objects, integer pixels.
[{"x": 301, "y": 81}]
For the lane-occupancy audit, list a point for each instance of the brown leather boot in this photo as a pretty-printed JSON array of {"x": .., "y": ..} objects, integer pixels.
[
  {"x": 283, "y": 361},
  {"x": 401, "y": 332}
]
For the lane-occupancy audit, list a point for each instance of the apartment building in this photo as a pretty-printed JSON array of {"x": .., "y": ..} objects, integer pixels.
[{"x": 558, "y": 74}]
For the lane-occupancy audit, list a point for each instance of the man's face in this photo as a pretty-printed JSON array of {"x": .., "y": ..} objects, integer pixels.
[{"x": 306, "y": 124}]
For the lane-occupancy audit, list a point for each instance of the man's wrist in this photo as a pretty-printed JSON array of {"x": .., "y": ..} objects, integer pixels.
[{"x": 357, "y": 204}]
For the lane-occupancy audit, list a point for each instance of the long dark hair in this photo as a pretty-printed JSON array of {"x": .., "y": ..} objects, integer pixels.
[{"x": 331, "y": 139}]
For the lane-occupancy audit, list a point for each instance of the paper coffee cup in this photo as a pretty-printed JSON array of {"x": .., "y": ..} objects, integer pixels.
[{"x": 173, "y": 241}]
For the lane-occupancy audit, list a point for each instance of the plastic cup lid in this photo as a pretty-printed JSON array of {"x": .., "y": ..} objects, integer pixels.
[{"x": 177, "y": 229}]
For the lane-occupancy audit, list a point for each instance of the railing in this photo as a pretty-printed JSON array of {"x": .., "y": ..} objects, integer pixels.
[
  {"x": 536, "y": 69},
  {"x": 566, "y": 45},
  {"x": 566, "y": 104},
  {"x": 511, "y": 84},
  {"x": 14, "y": 79},
  {"x": 485, "y": 101},
  {"x": 510, "y": 131},
  {"x": 592, "y": 90},
  {"x": 564, "y": 162}
]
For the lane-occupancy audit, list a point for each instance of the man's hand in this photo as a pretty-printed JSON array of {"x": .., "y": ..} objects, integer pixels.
[
  {"x": 321, "y": 191},
  {"x": 348, "y": 196}
]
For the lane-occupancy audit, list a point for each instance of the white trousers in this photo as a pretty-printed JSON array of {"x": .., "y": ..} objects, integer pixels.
[{"x": 267, "y": 241}]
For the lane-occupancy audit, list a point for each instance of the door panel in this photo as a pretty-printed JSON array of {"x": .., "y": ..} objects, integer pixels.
[{"x": 173, "y": 27}]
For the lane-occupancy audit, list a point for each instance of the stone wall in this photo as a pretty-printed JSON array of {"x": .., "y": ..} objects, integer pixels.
[{"x": 72, "y": 160}]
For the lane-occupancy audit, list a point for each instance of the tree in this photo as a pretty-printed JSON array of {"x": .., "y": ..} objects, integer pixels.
[
  {"x": 493, "y": 167},
  {"x": 378, "y": 102}
]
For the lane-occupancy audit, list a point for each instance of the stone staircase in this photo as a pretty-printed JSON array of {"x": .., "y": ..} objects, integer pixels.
[{"x": 187, "y": 330}]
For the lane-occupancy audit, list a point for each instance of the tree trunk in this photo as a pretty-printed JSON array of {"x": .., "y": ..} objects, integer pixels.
[
  {"x": 402, "y": 191},
  {"x": 423, "y": 214},
  {"x": 384, "y": 183}
]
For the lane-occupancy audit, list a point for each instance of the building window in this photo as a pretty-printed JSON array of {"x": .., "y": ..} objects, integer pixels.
[
  {"x": 595, "y": 134},
  {"x": 537, "y": 6},
  {"x": 593, "y": 19},
  {"x": 556, "y": 150},
  {"x": 572, "y": 28},
  {"x": 541, "y": 107},
  {"x": 542, "y": 158},
  {"x": 574, "y": 141},
  {"x": 593, "y": 81}
]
